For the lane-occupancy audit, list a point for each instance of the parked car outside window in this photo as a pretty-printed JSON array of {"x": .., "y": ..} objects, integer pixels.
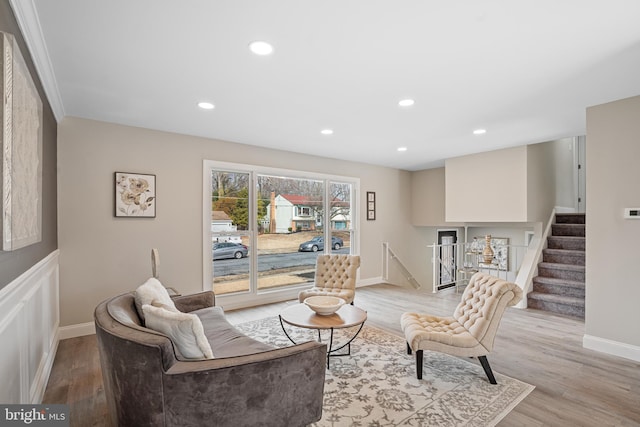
[
  {"x": 317, "y": 244},
  {"x": 224, "y": 250}
]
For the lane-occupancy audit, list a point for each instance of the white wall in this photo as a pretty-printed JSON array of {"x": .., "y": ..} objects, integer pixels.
[
  {"x": 613, "y": 288},
  {"x": 103, "y": 256}
]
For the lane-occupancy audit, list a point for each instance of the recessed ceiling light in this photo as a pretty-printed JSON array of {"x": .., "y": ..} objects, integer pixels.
[
  {"x": 327, "y": 131},
  {"x": 402, "y": 148},
  {"x": 406, "y": 102},
  {"x": 206, "y": 105},
  {"x": 261, "y": 48},
  {"x": 479, "y": 131}
]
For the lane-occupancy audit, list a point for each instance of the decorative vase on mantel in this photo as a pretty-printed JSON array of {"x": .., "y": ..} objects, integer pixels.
[{"x": 487, "y": 252}]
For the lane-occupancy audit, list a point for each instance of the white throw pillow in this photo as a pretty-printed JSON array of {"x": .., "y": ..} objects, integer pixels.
[
  {"x": 184, "y": 329},
  {"x": 153, "y": 293}
]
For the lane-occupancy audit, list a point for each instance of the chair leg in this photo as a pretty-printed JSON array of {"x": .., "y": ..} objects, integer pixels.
[
  {"x": 418, "y": 361},
  {"x": 487, "y": 369}
]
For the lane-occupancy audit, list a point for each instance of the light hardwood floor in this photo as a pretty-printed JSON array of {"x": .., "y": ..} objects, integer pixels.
[{"x": 574, "y": 386}]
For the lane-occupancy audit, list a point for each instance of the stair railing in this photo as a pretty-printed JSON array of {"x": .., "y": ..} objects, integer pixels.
[
  {"x": 468, "y": 262},
  {"x": 390, "y": 256},
  {"x": 532, "y": 258}
]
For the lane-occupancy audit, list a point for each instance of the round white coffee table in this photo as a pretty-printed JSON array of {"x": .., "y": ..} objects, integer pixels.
[{"x": 347, "y": 316}]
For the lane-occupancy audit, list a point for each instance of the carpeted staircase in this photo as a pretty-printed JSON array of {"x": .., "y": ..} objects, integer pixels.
[{"x": 559, "y": 287}]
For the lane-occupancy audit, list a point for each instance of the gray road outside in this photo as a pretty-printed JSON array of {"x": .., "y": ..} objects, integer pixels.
[{"x": 227, "y": 267}]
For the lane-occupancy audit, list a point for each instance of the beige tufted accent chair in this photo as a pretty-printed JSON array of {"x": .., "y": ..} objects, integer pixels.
[
  {"x": 335, "y": 276},
  {"x": 472, "y": 329}
]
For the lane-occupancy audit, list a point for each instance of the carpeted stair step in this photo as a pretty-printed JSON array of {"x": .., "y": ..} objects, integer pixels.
[
  {"x": 568, "y": 230},
  {"x": 551, "y": 285},
  {"x": 562, "y": 271},
  {"x": 561, "y": 304},
  {"x": 560, "y": 284},
  {"x": 563, "y": 256},
  {"x": 566, "y": 242},
  {"x": 570, "y": 218}
]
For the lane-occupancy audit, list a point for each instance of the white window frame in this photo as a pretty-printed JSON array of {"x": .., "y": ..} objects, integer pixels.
[
  {"x": 246, "y": 299},
  {"x": 300, "y": 211}
]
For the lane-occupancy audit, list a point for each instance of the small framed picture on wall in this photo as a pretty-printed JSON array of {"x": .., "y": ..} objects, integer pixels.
[
  {"x": 371, "y": 206},
  {"x": 135, "y": 195}
]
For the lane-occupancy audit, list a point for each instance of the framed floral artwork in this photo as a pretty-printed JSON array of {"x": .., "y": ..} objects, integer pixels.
[{"x": 135, "y": 195}]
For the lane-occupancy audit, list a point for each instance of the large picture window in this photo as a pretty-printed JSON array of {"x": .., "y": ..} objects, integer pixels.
[{"x": 264, "y": 228}]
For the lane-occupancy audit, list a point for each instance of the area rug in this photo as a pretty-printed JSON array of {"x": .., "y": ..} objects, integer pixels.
[{"x": 376, "y": 384}]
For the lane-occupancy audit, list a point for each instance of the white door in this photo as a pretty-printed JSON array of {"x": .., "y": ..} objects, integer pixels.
[{"x": 448, "y": 265}]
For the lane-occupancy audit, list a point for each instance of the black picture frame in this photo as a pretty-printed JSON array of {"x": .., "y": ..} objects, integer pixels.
[{"x": 371, "y": 206}]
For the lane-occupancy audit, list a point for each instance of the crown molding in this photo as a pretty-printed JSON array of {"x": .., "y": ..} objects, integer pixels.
[{"x": 29, "y": 23}]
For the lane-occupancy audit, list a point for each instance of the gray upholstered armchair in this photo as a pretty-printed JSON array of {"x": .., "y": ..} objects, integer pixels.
[
  {"x": 335, "y": 276},
  {"x": 247, "y": 383}
]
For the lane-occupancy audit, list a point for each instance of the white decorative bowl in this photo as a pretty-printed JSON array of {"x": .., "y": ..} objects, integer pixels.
[{"x": 324, "y": 305}]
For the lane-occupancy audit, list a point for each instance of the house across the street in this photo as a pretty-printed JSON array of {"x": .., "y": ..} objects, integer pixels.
[{"x": 222, "y": 223}]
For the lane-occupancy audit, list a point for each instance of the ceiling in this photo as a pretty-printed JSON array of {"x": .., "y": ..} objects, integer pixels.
[{"x": 523, "y": 70}]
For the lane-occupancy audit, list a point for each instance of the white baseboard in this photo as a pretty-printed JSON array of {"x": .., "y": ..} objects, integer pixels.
[
  {"x": 370, "y": 281},
  {"x": 565, "y": 209},
  {"x": 614, "y": 348},
  {"x": 40, "y": 386},
  {"x": 78, "y": 330}
]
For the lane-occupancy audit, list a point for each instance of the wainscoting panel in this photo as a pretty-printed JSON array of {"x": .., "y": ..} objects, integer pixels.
[
  {"x": 29, "y": 319},
  {"x": 10, "y": 353}
]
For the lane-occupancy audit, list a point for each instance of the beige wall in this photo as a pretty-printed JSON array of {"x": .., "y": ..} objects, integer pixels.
[
  {"x": 494, "y": 183},
  {"x": 428, "y": 197},
  {"x": 102, "y": 256},
  {"x": 419, "y": 261},
  {"x": 541, "y": 181},
  {"x": 563, "y": 170},
  {"x": 522, "y": 193},
  {"x": 513, "y": 185},
  {"x": 613, "y": 286}
]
